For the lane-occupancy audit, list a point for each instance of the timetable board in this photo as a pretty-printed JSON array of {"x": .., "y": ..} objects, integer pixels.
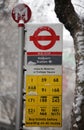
[
  {"x": 43, "y": 81},
  {"x": 43, "y": 100}
]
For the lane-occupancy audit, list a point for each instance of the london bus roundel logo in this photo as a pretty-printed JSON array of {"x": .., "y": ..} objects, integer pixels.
[{"x": 52, "y": 38}]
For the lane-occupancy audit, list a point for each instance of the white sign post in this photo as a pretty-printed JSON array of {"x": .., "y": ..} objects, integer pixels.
[
  {"x": 19, "y": 111},
  {"x": 21, "y": 14}
]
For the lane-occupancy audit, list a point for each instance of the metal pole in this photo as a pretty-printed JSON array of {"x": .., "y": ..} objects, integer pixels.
[{"x": 19, "y": 106}]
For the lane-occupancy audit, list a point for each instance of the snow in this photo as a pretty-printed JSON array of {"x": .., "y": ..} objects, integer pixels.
[
  {"x": 79, "y": 8},
  {"x": 78, "y": 118},
  {"x": 77, "y": 105},
  {"x": 75, "y": 125},
  {"x": 80, "y": 73},
  {"x": 77, "y": 111},
  {"x": 80, "y": 40},
  {"x": 80, "y": 50}
]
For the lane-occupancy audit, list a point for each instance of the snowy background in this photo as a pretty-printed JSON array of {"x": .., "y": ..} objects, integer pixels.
[{"x": 42, "y": 12}]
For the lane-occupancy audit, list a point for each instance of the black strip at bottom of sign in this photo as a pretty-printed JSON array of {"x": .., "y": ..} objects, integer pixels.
[{"x": 44, "y": 60}]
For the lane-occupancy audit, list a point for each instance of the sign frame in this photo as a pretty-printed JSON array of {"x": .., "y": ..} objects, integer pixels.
[{"x": 43, "y": 55}]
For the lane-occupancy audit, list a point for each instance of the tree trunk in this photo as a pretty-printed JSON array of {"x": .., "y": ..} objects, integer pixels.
[
  {"x": 78, "y": 105},
  {"x": 67, "y": 15}
]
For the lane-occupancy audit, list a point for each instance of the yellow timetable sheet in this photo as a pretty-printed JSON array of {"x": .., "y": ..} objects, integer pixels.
[{"x": 43, "y": 105}]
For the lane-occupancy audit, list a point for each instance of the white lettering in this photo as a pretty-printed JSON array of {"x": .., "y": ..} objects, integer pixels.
[{"x": 21, "y": 13}]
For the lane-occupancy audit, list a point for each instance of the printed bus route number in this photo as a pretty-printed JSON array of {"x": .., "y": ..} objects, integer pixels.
[
  {"x": 55, "y": 80},
  {"x": 43, "y": 89},
  {"x": 55, "y": 111},
  {"x": 55, "y": 99},
  {"x": 31, "y": 79},
  {"x": 32, "y": 87},
  {"x": 31, "y": 111},
  {"x": 44, "y": 79},
  {"x": 43, "y": 99},
  {"x": 55, "y": 89},
  {"x": 43, "y": 111},
  {"x": 31, "y": 100}
]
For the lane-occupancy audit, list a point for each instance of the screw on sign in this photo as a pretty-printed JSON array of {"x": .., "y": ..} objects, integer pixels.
[
  {"x": 21, "y": 12},
  {"x": 52, "y": 37}
]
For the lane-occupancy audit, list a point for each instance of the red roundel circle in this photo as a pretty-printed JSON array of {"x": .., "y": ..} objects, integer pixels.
[
  {"x": 21, "y": 12},
  {"x": 52, "y": 38}
]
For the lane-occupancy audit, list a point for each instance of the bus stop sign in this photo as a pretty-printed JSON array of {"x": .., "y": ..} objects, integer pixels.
[
  {"x": 21, "y": 12},
  {"x": 52, "y": 38}
]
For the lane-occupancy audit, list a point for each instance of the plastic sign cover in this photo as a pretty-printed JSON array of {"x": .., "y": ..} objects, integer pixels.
[{"x": 43, "y": 79}]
